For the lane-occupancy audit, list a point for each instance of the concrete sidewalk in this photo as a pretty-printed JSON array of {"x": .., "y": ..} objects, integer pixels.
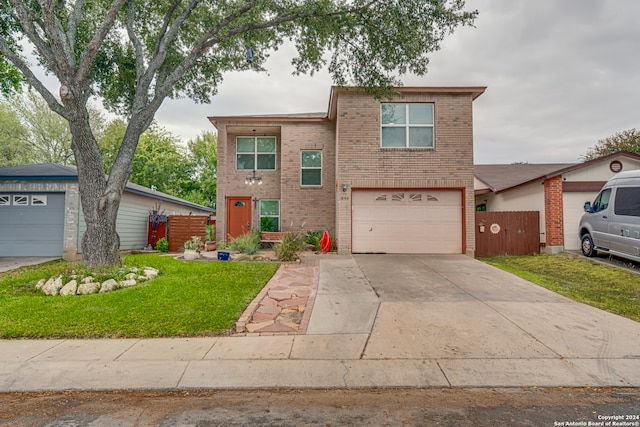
[{"x": 432, "y": 321}]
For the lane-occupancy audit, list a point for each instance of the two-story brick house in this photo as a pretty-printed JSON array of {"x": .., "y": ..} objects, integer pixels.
[{"x": 391, "y": 175}]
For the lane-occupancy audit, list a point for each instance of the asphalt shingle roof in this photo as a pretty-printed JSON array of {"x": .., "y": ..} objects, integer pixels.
[
  {"x": 501, "y": 177},
  {"x": 54, "y": 172}
]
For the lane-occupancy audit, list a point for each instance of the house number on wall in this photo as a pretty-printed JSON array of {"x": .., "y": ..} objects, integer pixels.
[
  {"x": 495, "y": 228},
  {"x": 344, "y": 197}
]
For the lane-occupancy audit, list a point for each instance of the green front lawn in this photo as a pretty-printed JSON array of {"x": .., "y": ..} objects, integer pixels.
[
  {"x": 189, "y": 298},
  {"x": 609, "y": 288}
]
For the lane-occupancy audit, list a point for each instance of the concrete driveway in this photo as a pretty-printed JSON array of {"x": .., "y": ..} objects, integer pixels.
[
  {"x": 482, "y": 326},
  {"x": 13, "y": 263}
]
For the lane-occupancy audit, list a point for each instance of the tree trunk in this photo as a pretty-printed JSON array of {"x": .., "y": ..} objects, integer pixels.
[{"x": 100, "y": 202}]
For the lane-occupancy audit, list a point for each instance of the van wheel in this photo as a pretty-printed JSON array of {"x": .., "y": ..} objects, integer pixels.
[{"x": 587, "y": 246}]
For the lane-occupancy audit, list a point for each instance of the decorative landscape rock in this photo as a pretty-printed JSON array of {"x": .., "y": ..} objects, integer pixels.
[
  {"x": 70, "y": 288},
  {"x": 127, "y": 283},
  {"x": 151, "y": 273},
  {"x": 52, "y": 286},
  {"x": 79, "y": 285},
  {"x": 88, "y": 288},
  {"x": 108, "y": 286}
]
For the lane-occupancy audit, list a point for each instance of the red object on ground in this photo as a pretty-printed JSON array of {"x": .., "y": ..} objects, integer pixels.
[{"x": 325, "y": 242}]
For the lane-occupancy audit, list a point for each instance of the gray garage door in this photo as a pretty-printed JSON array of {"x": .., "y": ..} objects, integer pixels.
[{"x": 31, "y": 224}]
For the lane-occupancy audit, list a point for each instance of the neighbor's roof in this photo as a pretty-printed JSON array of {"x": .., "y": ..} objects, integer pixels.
[
  {"x": 502, "y": 177},
  {"x": 57, "y": 172}
]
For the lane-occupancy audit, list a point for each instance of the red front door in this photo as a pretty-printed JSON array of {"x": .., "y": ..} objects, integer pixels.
[{"x": 238, "y": 216}]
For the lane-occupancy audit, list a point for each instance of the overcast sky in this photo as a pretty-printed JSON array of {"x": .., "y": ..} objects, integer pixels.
[{"x": 560, "y": 76}]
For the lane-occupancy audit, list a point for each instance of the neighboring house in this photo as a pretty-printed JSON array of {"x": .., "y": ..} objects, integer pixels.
[
  {"x": 40, "y": 212},
  {"x": 391, "y": 175},
  {"x": 557, "y": 191}
]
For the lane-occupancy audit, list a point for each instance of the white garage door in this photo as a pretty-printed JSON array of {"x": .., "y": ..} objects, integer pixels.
[
  {"x": 407, "y": 221},
  {"x": 573, "y": 208},
  {"x": 31, "y": 224}
]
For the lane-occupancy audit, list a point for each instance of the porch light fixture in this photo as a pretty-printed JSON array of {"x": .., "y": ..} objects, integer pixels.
[{"x": 253, "y": 179}]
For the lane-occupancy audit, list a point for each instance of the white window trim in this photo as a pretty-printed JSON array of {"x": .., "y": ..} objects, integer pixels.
[
  {"x": 408, "y": 126},
  {"x": 311, "y": 168},
  {"x": 19, "y": 201},
  {"x": 255, "y": 153},
  {"x": 39, "y": 200},
  {"x": 5, "y": 200}
]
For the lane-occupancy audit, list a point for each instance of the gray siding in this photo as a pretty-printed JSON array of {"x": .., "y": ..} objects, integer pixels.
[{"x": 133, "y": 217}]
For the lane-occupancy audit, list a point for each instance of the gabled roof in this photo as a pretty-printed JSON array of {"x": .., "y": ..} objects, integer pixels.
[
  {"x": 56, "y": 172},
  {"x": 504, "y": 177}
]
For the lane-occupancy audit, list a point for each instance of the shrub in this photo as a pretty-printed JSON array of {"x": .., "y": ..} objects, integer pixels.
[
  {"x": 268, "y": 223},
  {"x": 313, "y": 238},
  {"x": 247, "y": 243},
  {"x": 290, "y": 247},
  {"x": 211, "y": 232},
  {"x": 162, "y": 245},
  {"x": 194, "y": 243}
]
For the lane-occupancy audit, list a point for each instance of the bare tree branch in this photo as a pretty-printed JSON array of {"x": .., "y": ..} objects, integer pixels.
[
  {"x": 27, "y": 23},
  {"x": 92, "y": 47},
  {"x": 165, "y": 24},
  {"x": 137, "y": 44},
  {"x": 57, "y": 39},
  {"x": 34, "y": 81},
  {"x": 74, "y": 18}
]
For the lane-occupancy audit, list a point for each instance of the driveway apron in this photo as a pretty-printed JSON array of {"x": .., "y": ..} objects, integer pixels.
[{"x": 473, "y": 317}]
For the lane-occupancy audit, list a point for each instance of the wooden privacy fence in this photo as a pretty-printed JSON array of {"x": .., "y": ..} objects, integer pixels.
[
  {"x": 182, "y": 227},
  {"x": 507, "y": 233}
]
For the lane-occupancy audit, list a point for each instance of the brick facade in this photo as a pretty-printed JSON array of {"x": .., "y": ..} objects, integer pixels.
[
  {"x": 362, "y": 163},
  {"x": 349, "y": 137},
  {"x": 301, "y": 208},
  {"x": 554, "y": 215}
]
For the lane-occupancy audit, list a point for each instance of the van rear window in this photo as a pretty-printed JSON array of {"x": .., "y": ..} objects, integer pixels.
[{"x": 627, "y": 201}]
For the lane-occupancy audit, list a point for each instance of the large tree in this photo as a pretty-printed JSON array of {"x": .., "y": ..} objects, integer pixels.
[
  {"x": 627, "y": 140},
  {"x": 35, "y": 134},
  {"x": 135, "y": 53},
  {"x": 203, "y": 152},
  {"x": 13, "y": 150}
]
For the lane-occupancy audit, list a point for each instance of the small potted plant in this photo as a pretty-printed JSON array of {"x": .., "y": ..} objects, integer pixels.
[
  {"x": 210, "y": 244},
  {"x": 191, "y": 248}
]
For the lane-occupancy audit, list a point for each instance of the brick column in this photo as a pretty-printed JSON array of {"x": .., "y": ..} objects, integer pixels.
[{"x": 554, "y": 215}]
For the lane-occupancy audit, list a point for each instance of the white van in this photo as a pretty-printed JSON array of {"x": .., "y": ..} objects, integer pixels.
[{"x": 612, "y": 223}]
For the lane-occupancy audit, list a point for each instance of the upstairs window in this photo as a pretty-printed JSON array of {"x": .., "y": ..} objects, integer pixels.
[
  {"x": 407, "y": 125},
  {"x": 256, "y": 153},
  {"x": 311, "y": 168}
]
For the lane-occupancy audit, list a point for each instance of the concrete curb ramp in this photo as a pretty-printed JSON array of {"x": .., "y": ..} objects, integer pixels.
[{"x": 378, "y": 321}]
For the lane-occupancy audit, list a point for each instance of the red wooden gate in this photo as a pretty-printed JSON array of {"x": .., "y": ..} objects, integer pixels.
[{"x": 507, "y": 233}]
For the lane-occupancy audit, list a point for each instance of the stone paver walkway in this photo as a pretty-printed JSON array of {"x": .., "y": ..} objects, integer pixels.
[{"x": 283, "y": 307}]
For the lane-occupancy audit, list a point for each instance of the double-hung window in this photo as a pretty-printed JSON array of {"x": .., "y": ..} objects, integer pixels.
[
  {"x": 407, "y": 125},
  {"x": 311, "y": 168},
  {"x": 256, "y": 153}
]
